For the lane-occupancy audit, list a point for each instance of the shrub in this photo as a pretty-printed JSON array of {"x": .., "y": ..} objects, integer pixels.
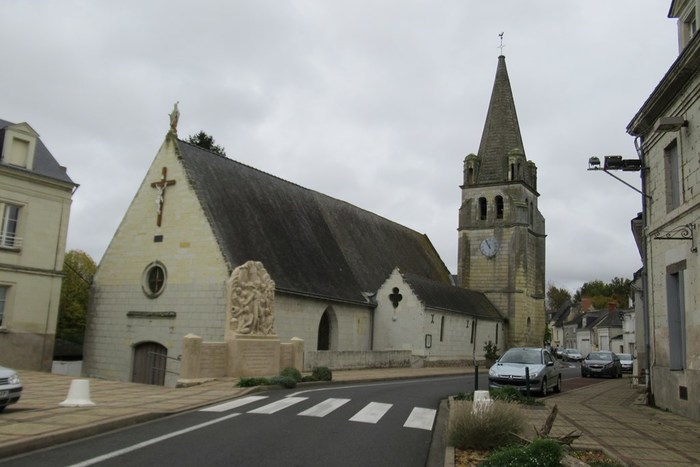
[
  {"x": 284, "y": 381},
  {"x": 539, "y": 453},
  {"x": 292, "y": 373},
  {"x": 308, "y": 378},
  {"x": 491, "y": 351},
  {"x": 486, "y": 429},
  {"x": 322, "y": 373},
  {"x": 250, "y": 382},
  {"x": 511, "y": 394}
]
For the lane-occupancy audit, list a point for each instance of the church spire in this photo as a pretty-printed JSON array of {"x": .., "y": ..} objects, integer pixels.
[{"x": 501, "y": 131}]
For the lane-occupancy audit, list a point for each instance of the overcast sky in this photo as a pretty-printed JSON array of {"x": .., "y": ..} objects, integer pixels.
[{"x": 372, "y": 102}]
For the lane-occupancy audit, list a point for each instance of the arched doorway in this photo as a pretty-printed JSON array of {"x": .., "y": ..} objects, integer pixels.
[
  {"x": 327, "y": 331},
  {"x": 149, "y": 363}
]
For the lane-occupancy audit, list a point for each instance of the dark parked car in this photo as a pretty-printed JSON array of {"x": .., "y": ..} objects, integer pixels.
[
  {"x": 602, "y": 363},
  {"x": 509, "y": 370},
  {"x": 10, "y": 387},
  {"x": 627, "y": 362}
]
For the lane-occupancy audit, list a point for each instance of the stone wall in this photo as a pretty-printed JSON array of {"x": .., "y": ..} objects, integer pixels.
[{"x": 348, "y": 360}]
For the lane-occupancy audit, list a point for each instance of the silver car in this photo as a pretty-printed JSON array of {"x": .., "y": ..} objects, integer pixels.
[
  {"x": 511, "y": 369},
  {"x": 10, "y": 387},
  {"x": 627, "y": 362}
]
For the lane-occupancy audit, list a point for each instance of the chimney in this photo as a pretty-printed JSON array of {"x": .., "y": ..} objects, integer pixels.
[
  {"x": 586, "y": 304},
  {"x": 612, "y": 306}
]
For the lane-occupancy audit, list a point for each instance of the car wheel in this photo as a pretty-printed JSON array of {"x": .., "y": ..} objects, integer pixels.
[
  {"x": 557, "y": 388},
  {"x": 543, "y": 389}
]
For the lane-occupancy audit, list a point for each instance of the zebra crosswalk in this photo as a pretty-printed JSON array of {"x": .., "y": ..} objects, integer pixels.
[{"x": 419, "y": 418}]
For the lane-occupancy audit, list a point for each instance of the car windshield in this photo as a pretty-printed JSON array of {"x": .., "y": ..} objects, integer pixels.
[
  {"x": 600, "y": 356},
  {"x": 624, "y": 356},
  {"x": 529, "y": 356},
  {"x": 571, "y": 351}
]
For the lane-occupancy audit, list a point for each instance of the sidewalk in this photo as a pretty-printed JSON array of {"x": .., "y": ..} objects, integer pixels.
[{"x": 609, "y": 414}]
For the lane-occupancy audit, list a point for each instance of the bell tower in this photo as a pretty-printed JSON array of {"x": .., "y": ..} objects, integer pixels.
[{"x": 501, "y": 250}]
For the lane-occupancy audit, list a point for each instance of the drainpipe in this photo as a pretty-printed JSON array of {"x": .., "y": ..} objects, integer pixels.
[{"x": 646, "y": 289}]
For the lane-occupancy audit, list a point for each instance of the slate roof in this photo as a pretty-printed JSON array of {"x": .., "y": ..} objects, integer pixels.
[
  {"x": 44, "y": 162},
  {"x": 451, "y": 298},
  {"x": 310, "y": 243},
  {"x": 501, "y": 130}
]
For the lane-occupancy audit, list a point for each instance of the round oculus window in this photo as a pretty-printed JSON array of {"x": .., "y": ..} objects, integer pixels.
[{"x": 154, "y": 277}]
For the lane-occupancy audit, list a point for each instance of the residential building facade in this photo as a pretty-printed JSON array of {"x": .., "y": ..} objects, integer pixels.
[
  {"x": 35, "y": 201},
  {"x": 667, "y": 135}
]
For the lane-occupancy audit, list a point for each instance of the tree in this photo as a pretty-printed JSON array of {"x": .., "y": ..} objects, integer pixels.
[
  {"x": 556, "y": 297},
  {"x": 207, "y": 142},
  {"x": 78, "y": 269},
  {"x": 616, "y": 291},
  {"x": 547, "y": 338}
]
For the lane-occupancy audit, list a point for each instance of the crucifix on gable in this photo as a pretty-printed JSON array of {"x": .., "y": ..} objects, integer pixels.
[{"x": 160, "y": 187}]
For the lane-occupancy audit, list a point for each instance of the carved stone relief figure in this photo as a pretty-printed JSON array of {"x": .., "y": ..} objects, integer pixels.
[{"x": 251, "y": 300}]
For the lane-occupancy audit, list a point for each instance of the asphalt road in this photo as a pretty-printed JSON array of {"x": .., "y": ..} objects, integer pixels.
[{"x": 368, "y": 424}]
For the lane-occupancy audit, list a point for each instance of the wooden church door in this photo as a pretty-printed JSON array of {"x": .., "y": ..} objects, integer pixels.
[{"x": 149, "y": 363}]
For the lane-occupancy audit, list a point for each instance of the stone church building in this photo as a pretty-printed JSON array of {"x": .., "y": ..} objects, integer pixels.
[{"x": 347, "y": 281}]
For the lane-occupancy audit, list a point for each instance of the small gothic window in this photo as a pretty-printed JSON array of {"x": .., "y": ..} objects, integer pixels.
[
  {"x": 532, "y": 213},
  {"x": 482, "y": 209},
  {"x": 512, "y": 172},
  {"x": 470, "y": 175},
  {"x": 442, "y": 327},
  {"x": 153, "y": 281},
  {"x": 499, "y": 207},
  {"x": 496, "y": 334}
]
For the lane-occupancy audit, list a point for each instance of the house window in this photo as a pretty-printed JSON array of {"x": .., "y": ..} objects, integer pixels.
[
  {"x": 690, "y": 27},
  {"x": 499, "y": 207},
  {"x": 442, "y": 327},
  {"x": 8, "y": 228},
  {"x": 154, "y": 278},
  {"x": 496, "y": 334},
  {"x": 676, "y": 314},
  {"x": 19, "y": 153},
  {"x": 482, "y": 209},
  {"x": 673, "y": 179},
  {"x": 471, "y": 340},
  {"x": 4, "y": 293}
]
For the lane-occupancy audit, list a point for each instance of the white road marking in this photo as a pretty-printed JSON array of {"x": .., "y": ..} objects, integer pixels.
[
  {"x": 371, "y": 413},
  {"x": 233, "y": 404},
  {"x": 119, "y": 452},
  {"x": 324, "y": 408},
  {"x": 421, "y": 418},
  {"x": 278, "y": 405}
]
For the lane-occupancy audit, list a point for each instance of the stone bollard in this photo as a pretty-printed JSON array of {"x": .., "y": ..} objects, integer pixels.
[
  {"x": 78, "y": 394},
  {"x": 482, "y": 401}
]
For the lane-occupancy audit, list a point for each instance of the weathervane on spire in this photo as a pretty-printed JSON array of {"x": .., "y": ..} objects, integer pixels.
[{"x": 501, "y": 46}]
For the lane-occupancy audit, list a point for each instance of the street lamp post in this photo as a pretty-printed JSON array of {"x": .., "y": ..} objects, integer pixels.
[{"x": 615, "y": 163}]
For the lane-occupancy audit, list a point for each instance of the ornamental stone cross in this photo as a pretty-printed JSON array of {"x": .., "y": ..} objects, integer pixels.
[{"x": 160, "y": 187}]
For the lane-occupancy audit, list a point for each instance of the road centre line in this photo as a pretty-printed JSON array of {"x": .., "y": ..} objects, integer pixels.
[{"x": 149, "y": 442}]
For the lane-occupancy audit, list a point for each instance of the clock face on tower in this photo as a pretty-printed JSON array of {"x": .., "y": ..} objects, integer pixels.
[{"x": 489, "y": 247}]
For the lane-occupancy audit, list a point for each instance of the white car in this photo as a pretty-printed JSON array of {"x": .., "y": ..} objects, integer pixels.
[
  {"x": 10, "y": 387},
  {"x": 520, "y": 362}
]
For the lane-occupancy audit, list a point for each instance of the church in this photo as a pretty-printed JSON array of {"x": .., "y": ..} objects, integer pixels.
[{"x": 349, "y": 283}]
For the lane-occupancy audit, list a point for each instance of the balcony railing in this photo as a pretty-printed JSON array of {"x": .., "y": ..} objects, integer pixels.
[{"x": 10, "y": 241}]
